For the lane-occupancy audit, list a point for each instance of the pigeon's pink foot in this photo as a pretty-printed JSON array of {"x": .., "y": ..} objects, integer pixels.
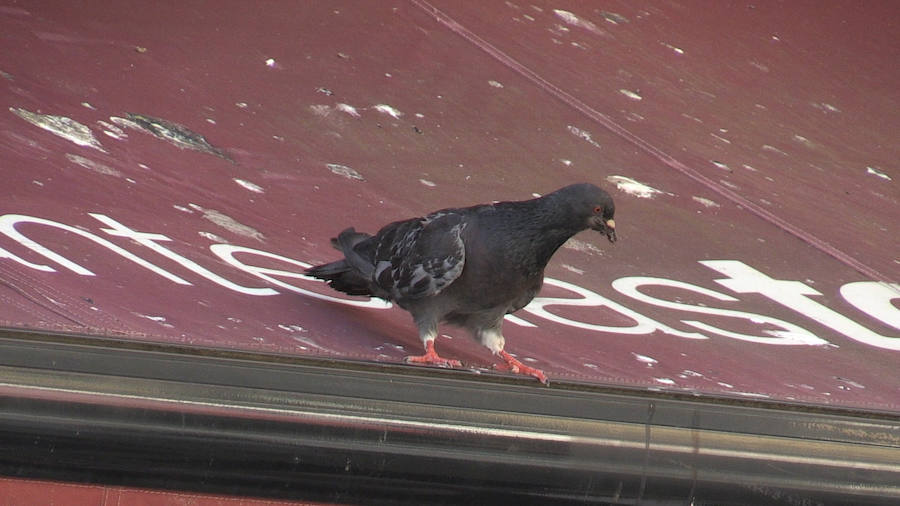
[
  {"x": 514, "y": 366},
  {"x": 432, "y": 358}
]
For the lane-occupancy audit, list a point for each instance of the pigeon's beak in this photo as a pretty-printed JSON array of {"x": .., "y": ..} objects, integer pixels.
[
  {"x": 611, "y": 230},
  {"x": 607, "y": 227}
]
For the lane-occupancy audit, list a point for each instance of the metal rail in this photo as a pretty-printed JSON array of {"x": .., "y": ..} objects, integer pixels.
[{"x": 87, "y": 409}]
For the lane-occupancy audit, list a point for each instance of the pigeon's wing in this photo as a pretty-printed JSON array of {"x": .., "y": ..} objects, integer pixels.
[{"x": 418, "y": 258}]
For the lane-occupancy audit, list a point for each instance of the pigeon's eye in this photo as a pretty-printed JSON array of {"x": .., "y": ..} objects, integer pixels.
[{"x": 598, "y": 209}]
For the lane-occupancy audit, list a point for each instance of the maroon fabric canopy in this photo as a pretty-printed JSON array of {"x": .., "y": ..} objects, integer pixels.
[{"x": 168, "y": 173}]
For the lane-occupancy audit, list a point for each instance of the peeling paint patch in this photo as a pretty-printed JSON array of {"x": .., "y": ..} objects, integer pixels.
[
  {"x": 773, "y": 149},
  {"x": 179, "y": 135},
  {"x": 158, "y": 319},
  {"x": 630, "y": 94},
  {"x": 803, "y": 140},
  {"x": 248, "y": 185},
  {"x": 93, "y": 166},
  {"x": 720, "y": 138},
  {"x": 571, "y": 268},
  {"x": 579, "y": 45},
  {"x": 211, "y": 236},
  {"x": 636, "y": 188},
  {"x": 291, "y": 327},
  {"x": 729, "y": 184},
  {"x": 876, "y": 172},
  {"x": 759, "y": 66},
  {"x": 582, "y": 246},
  {"x": 673, "y": 48},
  {"x": 348, "y": 109},
  {"x": 614, "y": 18},
  {"x": 64, "y": 127},
  {"x": 384, "y": 346},
  {"x": 849, "y": 383},
  {"x": 495, "y": 84},
  {"x": 705, "y": 202},
  {"x": 386, "y": 109},
  {"x": 343, "y": 170},
  {"x": 430, "y": 184},
  {"x": 572, "y": 19},
  {"x": 559, "y": 30},
  {"x": 229, "y": 223},
  {"x": 112, "y": 130},
  {"x": 583, "y": 134},
  {"x": 320, "y": 109},
  {"x": 644, "y": 359},
  {"x": 825, "y": 107}
]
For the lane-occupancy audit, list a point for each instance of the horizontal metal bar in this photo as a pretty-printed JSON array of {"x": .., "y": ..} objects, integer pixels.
[{"x": 323, "y": 430}]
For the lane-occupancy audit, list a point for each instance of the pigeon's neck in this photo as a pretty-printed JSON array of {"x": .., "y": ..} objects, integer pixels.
[
  {"x": 553, "y": 228},
  {"x": 550, "y": 240}
]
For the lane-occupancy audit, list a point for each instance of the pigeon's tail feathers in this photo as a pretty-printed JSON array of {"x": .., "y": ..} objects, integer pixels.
[
  {"x": 358, "y": 251},
  {"x": 342, "y": 277},
  {"x": 353, "y": 273},
  {"x": 328, "y": 271},
  {"x": 346, "y": 240}
]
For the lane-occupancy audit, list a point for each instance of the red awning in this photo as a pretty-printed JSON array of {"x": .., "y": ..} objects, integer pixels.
[{"x": 169, "y": 172}]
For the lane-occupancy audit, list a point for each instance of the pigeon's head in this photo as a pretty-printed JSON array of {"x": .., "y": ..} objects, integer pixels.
[{"x": 594, "y": 206}]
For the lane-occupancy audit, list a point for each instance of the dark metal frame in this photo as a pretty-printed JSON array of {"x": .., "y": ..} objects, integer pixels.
[{"x": 87, "y": 409}]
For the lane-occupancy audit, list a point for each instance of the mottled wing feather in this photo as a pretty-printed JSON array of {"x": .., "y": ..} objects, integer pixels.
[{"x": 418, "y": 258}]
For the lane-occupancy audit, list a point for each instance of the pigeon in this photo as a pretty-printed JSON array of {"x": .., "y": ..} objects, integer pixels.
[{"x": 468, "y": 267}]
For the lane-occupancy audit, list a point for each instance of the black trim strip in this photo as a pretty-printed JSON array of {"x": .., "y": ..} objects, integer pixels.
[{"x": 79, "y": 408}]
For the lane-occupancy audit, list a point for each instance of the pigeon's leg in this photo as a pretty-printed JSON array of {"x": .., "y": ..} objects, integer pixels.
[
  {"x": 513, "y": 365},
  {"x": 428, "y": 332},
  {"x": 493, "y": 339}
]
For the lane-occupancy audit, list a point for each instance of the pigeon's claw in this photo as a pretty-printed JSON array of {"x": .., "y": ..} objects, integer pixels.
[
  {"x": 514, "y": 366},
  {"x": 432, "y": 358}
]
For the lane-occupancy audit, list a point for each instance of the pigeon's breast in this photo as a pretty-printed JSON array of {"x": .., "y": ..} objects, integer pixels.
[{"x": 492, "y": 279}]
